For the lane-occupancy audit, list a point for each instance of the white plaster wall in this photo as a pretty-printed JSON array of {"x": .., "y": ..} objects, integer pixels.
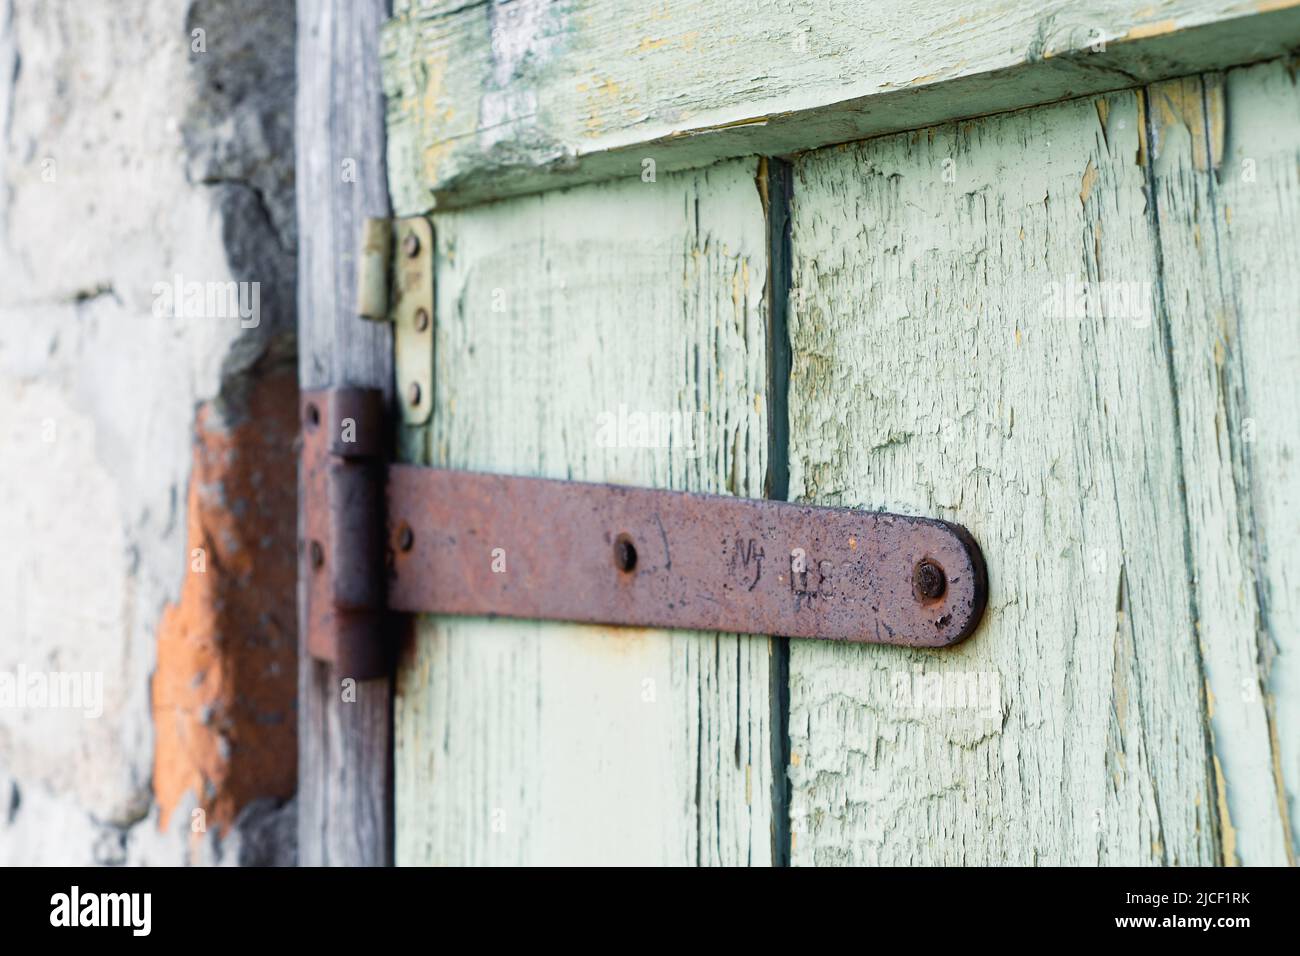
[{"x": 127, "y": 158}]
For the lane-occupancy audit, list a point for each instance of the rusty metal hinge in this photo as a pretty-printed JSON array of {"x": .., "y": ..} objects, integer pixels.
[
  {"x": 341, "y": 529},
  {"x": 396, "y": 538},
  {"x": 379, "y": 539}
]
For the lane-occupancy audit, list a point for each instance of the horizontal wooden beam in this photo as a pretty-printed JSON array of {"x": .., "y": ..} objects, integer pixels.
[{"x": 494, "y": 99}]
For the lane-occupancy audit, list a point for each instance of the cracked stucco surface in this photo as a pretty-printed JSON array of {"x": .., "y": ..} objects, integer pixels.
[{"x": 128, "y": 159}]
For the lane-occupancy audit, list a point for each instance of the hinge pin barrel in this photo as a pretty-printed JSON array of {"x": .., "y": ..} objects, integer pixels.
[
  {"x": 344, "y": 447},
  {"x": 372, "y": 269}
]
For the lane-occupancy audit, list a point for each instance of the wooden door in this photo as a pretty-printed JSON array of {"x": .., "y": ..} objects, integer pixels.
[
  {"x": 530, "y": 742},
  {"x": 1065, "y": 327},
  {"x": 1069, "y": 325}
]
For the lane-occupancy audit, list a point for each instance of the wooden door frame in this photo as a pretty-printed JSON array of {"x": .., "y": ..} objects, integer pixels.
[{"x": 345, "y": 793}]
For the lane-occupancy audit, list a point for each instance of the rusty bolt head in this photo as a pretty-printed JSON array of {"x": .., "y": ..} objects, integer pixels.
[
  {"x": 421, "y": 319},
  {"x": 929, "y": 580},
  {"x": 405, "y": 537},
  {"x": 411, "y": 245},
  {"x": 317, "y": 555}
]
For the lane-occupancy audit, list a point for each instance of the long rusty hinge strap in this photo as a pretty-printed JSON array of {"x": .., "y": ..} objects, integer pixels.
[
  {"x": 427, "y": 540},
  {"x": 467, "y": 543}
]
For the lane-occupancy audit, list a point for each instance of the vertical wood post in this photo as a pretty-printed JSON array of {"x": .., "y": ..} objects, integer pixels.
[{"x": 344, "y": 749}]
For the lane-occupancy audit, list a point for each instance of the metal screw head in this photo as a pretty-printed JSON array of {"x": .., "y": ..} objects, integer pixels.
[
  {"x": 929, "y": 580},
  {"x": 317, "y": 555},
  {"x": 413, "y": 393},
  {"x": 421, "y": 319},
  {"x": 411, "y": 245},
  {"x": 405, "y": 537}
]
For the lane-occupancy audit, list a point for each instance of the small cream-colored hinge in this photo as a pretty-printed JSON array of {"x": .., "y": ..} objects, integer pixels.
[{"x": 395, "y": 284}]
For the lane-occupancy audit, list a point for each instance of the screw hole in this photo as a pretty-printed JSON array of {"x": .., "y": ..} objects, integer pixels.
[
  {"x": 405, "y": 537},
  {"x": 313, "y": 415},
  {"x": 624, "y": 554},
  {"x": 317, "y": 555}
]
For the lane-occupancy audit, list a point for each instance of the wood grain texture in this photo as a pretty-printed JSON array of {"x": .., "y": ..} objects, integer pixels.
[
  {"x": 1259, "y": 193},
  {"x": 489, "y": 99},
  {"x": 945, "y": 365},
  {"x": 1224, "y": 167},
  {"x": 525, "y": 742},
  {"x": 344, "y": 784}
]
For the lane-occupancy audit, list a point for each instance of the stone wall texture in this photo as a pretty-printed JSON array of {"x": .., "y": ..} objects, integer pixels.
[{"x": 146, "y": 440}]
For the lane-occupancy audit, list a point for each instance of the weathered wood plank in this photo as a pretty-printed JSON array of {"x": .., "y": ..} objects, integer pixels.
[
  {"x": 944, "y": 365},
  {"x": 344, "y": 781},
  {"x": 490, "y": 99},
  {"x": 557, "y": 316},
  {"x": 1225, "y": 316},
  {"x": 1259, "y": 192}
]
